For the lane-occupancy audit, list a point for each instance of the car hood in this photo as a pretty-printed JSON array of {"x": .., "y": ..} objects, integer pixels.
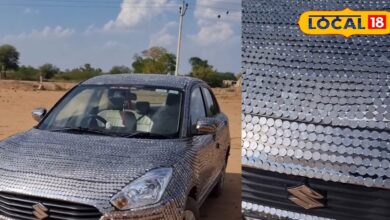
[{"x": 88, "y": 169}]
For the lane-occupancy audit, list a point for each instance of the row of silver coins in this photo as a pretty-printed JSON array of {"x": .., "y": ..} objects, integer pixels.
[
  {"x": 248, "y": 206},
  {"x": 263, "y": 44},
  {"x": 319, "y": 160},
  {"x": 273, "y": 133},
  {"x": 360, "y": 152},
  {"x": 306, "y": 150},
  {"x": 248, "y": 63},
  {"x": 355, "y": 113},
  {"x": 309, "y": 117},
  {"x": 323, "y": 4},
  {"x": 326, "y": 172},
  {"x": 259, "y": 121},
  {"x": 302, "y": 73},
  {"x": 287, "y": 35},
  {"x": 344, "y": 107},
  {"x": 311, "y": 81},
  {"x": 321, "y": 77},
  {"x": 312, "y": 67},
  {"x": 317, "y": 57},
  {"x": 253, "y": 45},
  {"x": 294, "y": 157},
  {"x": 258, "y": 125},
  {"x": 316, "y": 84},
  {"x": 317, "y": 95},
  {"x": 331, "y": 54},
  {"x": 319, "y": 152},
  {"x": 339, "y": 101},
  {"x": 251, "y": 6},
  {"x": 270, "y": 126},
  {"x": 280, "y": 52}
]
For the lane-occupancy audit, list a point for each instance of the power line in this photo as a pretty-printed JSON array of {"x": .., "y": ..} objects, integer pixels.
[
  {"x": 217, "y": 8},
  {"x": 75, "y": 1},
  {"x": 82, "y": 6},
  {"x": 121, "y": 1},
  {"x": 89, "y": 4},
  {"x": 101, "y": 4},
  {"x": 226, "y": 2},
  {"x": 238, "y": 2}
]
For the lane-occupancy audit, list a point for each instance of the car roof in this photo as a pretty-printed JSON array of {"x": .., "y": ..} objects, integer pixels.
[{"x": 179, "y": 82}]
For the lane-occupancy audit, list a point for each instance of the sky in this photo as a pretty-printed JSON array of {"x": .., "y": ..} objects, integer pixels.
[{"x": 104, "y": 33}]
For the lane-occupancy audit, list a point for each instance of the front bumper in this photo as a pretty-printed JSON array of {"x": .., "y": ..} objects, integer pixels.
[
  {"x": 162, "y": 212},
  {"x": 253, "y": 211}
]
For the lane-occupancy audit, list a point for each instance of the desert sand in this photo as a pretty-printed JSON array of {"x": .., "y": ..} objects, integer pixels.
[{"x": 17, "y": 99}]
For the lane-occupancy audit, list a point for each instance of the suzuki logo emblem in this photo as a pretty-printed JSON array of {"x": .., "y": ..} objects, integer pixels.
[
  {"x": 40, "y": 211},
  {"x": 306, "y": 197}
]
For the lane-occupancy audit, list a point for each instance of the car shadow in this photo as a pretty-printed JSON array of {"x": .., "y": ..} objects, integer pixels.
[{"x": 228, "y": 205}]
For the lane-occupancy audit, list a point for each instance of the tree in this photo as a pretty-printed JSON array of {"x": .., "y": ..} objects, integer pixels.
[
  {"x": 196, "y": 62},
  {"x": 227, "y": 76},
  {"x": 47, "y": 71},
  {"x": 154, "y": 52},
  {"x": 24, "y": 73},
  {"x": 155, "y": 60},
  {"x": 201, "y": 69},
  {"x": 9, "y": 59},
  {"x": 120, "y": 70},
  {"x": 82, "y": 73}
]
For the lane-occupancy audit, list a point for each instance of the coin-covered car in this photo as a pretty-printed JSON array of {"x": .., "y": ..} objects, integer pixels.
[{"x": 118, "y": 147}]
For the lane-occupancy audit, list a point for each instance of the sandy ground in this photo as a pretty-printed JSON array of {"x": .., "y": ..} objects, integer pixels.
[{"x": 17, "y": 99}]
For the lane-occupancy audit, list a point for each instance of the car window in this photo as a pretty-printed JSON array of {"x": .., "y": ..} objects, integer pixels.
[
  {"x": 77, "y": 106},
  {"x": 118, "y": 109},
  {"x": 211, "y": 103},
  {"x": 197, "y": 107}
]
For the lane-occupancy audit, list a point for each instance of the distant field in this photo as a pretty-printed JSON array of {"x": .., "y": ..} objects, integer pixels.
[{"x": 31, "y": 85}]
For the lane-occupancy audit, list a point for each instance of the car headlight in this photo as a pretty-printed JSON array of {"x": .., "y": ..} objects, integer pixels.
[{"x": 146, "y": 190}]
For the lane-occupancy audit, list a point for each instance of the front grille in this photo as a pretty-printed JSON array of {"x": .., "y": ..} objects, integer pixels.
[
  {"x": 18, "y": 206},
  {"x": 343, "y": 201}
]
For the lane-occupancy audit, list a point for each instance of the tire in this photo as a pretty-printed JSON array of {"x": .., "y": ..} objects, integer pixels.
[
  {"x": 218, "y": 188},
  {"x": 192, "y": 210}
]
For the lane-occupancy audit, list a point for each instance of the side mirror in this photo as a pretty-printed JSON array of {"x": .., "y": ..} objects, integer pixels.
[
  {"x": 38, "y": 114},
  {"x": 205, "y": 126}
]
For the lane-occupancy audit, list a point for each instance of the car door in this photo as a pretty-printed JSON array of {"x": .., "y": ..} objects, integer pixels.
[
  {"x": 203, "y": 144},
  {"x": 221, "y": 137}
]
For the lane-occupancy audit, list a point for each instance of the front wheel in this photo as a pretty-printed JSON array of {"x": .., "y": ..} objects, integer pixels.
[{"x": 192, "y": 211}]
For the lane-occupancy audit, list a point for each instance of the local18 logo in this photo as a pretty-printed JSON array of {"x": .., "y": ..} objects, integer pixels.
[{"x": 346, "y": 22}]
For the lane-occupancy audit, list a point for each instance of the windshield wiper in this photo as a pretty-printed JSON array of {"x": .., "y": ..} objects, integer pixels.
[
  {"x": 81, "y": 130},
  {"x": 147, "y": 135}
]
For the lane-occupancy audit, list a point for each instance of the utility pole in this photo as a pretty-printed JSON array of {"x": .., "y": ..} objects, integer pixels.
[{"x": 183, "y": 10}]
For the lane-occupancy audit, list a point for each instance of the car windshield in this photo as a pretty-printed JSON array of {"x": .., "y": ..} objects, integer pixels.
[{"x": 118, "y": 110}]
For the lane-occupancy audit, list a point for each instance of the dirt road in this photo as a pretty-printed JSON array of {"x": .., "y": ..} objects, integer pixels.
[{"x": 17, "y": 101}]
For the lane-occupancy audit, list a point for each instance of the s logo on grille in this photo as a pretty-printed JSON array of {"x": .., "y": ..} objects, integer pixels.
[
  {"x": 40, "y": 211},
  {"x": 306, "y": 197}
]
